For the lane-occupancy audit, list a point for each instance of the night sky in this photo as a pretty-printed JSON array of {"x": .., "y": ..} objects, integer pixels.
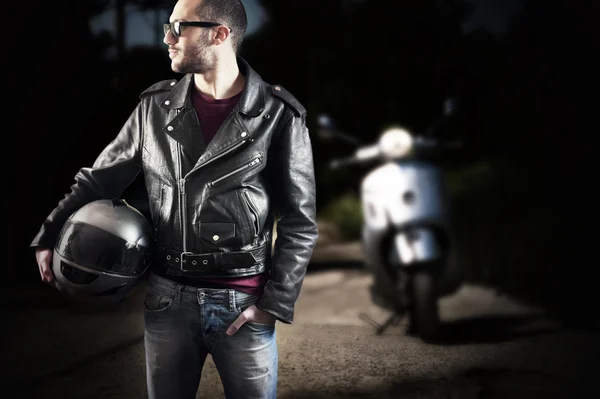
[{"x": 490, "y": 14}]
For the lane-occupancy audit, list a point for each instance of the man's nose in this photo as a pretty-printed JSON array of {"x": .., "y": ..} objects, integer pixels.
[{"x": 169, "y": 38}]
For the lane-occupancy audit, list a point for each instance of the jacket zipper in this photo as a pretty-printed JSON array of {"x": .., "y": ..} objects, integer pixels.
[
  {"x": 250, "y": 164},
  {"x": 230, "y": 149},
  {"x": 183, "y": 212},
  {"x": 254, "y": 214},
  {"x": 182, "y": 200},
  {"x": 222, "y": 154}
]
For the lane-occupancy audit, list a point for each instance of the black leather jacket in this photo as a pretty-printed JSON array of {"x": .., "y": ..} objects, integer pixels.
[{"x": 221, "y": 211}]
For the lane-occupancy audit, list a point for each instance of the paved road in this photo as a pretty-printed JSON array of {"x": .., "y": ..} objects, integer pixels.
[{"x": 495, "y": 348}]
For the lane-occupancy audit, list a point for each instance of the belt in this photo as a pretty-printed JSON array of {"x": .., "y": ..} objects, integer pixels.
[{"x": 190, "y": 262}]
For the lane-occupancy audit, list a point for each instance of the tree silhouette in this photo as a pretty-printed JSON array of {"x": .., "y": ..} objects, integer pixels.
[
  {"x": 368, "y": 64},
  {"x": 534, "y": 117}
]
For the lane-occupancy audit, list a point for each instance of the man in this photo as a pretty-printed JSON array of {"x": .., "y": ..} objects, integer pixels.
[{"x": 223, "y": 154}]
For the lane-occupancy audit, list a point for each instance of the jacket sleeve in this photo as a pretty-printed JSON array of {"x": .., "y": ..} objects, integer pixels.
[
  {"x": 294, "y": 196},
  {"x": 113, "y": 170}
]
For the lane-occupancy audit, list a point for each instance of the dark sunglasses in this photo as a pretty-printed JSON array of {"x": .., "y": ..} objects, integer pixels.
[{"x": 175, "y": 27}]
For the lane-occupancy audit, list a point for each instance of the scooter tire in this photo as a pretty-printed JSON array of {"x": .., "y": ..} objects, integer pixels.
[{"x": 424, "y": 316}]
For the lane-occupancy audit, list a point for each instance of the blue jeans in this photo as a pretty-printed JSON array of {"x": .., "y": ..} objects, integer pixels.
[{"x": 183, "y": 324}]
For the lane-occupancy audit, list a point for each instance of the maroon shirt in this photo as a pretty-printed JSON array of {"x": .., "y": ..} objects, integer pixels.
[{"x": 211, "y": 113}]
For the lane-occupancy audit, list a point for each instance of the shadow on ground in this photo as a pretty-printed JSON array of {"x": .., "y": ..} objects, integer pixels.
[
  {"x": 485, "y": 329},
  {"x": 492, "y": 329},
  {"x": 476, "y": 383}
]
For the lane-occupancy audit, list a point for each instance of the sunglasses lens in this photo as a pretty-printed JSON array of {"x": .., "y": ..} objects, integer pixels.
[{"x": 173, "y": 27}]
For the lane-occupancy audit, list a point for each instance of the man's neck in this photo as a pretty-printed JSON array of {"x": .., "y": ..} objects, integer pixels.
[{"x": 224, "y": 81}]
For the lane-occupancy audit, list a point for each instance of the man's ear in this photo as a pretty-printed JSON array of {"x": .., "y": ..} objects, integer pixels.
[{"x": 222, "y": 33}]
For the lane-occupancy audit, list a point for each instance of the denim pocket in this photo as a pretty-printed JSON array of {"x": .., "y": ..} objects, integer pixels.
[
  {"x": 155, "y": 302},
  {"x": 260, "y": 326},
  {"x": 244, "y": 300}
]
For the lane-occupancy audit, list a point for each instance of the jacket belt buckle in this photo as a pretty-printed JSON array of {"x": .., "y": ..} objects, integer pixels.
[{"x": 196, "y": 261}]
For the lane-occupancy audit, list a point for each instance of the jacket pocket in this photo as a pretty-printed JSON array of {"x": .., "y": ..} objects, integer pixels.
[
  {"x": 160, "y": 198},
  {"x": 216, "y": 234},
  {"x": 252, "y": 215},
  {"x": 161, "y": 207}
]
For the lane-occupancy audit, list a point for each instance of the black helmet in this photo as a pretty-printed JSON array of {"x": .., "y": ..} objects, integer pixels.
[{"x": 102, "y": 251}]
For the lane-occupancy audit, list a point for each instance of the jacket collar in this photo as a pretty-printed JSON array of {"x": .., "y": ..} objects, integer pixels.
[{"x": 252, "y": 100}]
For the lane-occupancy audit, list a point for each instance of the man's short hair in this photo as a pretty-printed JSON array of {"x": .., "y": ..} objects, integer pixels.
[{"x": 230, "y": 13}]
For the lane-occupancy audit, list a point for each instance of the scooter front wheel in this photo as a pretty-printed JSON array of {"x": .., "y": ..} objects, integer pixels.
[{"x": 424, "y": 319}]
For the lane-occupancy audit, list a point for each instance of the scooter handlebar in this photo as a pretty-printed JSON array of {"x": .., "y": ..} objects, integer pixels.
[
  {"x": 371, "y": 152},
  {"x": 421, "y": 142},
  {"x": 361, "y": 155},
  {"x": 341, "y": 162}
]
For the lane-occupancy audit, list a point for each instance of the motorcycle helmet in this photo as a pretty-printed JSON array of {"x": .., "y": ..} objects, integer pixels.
[{"x": 102, "y": 252}]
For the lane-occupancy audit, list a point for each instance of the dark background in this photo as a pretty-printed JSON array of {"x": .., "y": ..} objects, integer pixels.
[{"x": 523, "y": 184}]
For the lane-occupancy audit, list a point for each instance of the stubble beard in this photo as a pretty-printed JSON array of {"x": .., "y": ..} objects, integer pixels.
[{"x": 196, "y": 60}]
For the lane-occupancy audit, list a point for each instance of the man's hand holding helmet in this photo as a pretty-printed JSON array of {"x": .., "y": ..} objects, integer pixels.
[{"x": 43, "y": 256}]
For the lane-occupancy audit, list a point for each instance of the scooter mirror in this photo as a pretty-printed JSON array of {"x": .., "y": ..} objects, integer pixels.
[
  {"x": 450, "y": 105},
  {"x": 325, "y": 127},
  {"x": 325, "y": 121},
  {"x": 327, "y": 130}
]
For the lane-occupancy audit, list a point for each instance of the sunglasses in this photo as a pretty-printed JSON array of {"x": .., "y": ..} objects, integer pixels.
[{"x": 175, "y": 27}]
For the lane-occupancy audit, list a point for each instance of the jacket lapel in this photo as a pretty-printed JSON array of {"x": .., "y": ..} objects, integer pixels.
[
  {"x": 185, "y": 125},
  {"x": 186, "y": 130}
]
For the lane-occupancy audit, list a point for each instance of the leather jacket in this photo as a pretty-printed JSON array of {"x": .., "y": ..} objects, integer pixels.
[{"x": 220, "y": 210}]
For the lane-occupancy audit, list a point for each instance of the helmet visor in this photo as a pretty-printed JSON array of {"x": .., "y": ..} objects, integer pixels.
[{"x": 97, "y": 249}]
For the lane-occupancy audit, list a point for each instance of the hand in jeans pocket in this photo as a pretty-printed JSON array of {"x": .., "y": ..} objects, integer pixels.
[{"x": 251, "y": 314}]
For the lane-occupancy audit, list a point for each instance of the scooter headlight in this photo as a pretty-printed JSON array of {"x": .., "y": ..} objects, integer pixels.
[{"x": 395, "y": 143}]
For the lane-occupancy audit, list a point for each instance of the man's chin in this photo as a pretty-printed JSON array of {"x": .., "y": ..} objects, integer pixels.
[{"x": 175, "y": 67}]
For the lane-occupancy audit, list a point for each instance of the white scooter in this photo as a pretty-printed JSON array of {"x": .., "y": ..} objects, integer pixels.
[{"x": 406, "y": 234}]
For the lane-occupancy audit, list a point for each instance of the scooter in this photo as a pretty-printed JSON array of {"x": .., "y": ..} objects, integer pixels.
[{"x": 406, "y": 234}]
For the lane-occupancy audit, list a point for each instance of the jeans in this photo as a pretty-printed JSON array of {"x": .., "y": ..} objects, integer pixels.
[{"x": 184, "y": 324}]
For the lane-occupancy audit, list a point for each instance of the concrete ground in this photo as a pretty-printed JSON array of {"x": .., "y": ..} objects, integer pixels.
[{"x": 494, "y": 347}]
